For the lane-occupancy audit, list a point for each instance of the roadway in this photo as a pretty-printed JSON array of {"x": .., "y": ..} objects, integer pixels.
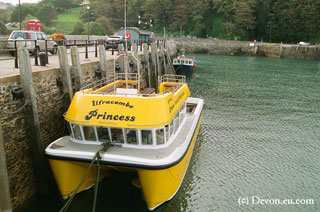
[{"x": 7, "y": 67}]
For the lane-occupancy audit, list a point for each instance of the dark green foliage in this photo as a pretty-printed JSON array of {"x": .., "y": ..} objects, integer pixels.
[
  {"x": 3, "y": 29},
  {"x": 26, "y": 9},
  {"x": 45, "y": 13},
  {"x": 95, "y": 28},
  {"x": 289, "y": 21},
  {"x": 78, "y": 28}
]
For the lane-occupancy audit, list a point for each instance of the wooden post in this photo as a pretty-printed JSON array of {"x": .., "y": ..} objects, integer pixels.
[
  {"x": 76, "y": 67},
  {"x": 5, "y": 200},
  {"x": 33, "y": 122},
  {"x": 135, "y": 53},
  {"x": 65, "y": 71},
  {"x": 103, "y": 61},
  {"x": 154, "y": 73},
  {"x": 163, "y": 69},
  {"x": 281, "y": 50},
  {"x": 146, "y": 69},
  {"x": 171, "y": 69}
]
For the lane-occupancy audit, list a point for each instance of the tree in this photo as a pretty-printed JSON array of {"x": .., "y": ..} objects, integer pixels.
[
  {"x": 60, "y": 5},
  {"x": 105, "y": 23},
  {"x": 26, "y": 9},
  {"x": 46, "y": 13},
  {"x": 78, "y": 28},
  {"x": 3, "y": 29},
  {"x": 244, "y": 17}
]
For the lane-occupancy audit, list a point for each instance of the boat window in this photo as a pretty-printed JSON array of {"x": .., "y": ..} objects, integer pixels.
[
  {"x": 176, "y": 123},
  {"x": 182, "y": 61},
  {"x": 146, "y": 136},
  {"x": 160, "y": 136},
  {"x": 89, "y": 133},
  {"x": 190, "y": 62},
  {"x": 178, "y": 61},
  {"x": 103, "y": 134},
  {"x": 171, "y": 128},
  {"x": 167, "y": 132},
  {"x": 131, "y": 136},
  {"x": 182, "y": 114},
  {"x": 76, "y": 131},
  {"x": 117, "y": 135}
]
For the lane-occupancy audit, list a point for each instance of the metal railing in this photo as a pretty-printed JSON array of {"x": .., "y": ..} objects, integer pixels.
[
  {"x": 36, "y": 46},
  {"x": 111, "y": 79},
  {"x": 173, "y": 78}
]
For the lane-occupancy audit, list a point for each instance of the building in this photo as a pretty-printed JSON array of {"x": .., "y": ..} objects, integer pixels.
[{"x": 135, "y": 35}]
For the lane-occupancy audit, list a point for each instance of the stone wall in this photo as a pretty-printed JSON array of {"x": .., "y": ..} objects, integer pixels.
[
  {"x": 51, "y": 107},
  {"x": 246, "y": 48}
]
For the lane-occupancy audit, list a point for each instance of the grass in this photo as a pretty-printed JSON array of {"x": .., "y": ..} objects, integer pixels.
[{"x": 66, "y": 21}]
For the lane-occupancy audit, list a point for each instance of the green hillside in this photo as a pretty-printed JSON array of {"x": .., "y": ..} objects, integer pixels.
[{"x": 65, "y": 22}]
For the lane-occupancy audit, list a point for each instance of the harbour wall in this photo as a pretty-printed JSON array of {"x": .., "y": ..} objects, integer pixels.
[
  {"x": 246, "y": 48},
  {"x": 51, "y": 105}
]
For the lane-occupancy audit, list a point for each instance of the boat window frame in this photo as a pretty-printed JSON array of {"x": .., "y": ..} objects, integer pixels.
[
  {"x": 73, "y": 135},
  {"x": 167, "y": 137},
  {"x": 95, "y": 133},
  {"x": 152, "y": 137},
  {"x": 176, "y": 120},
  {"x": 109, "y": 133},
  {"x": 123, "y": 134},
  {"x": 137, "y": 136},
  {"x": 164, "y": 135}
]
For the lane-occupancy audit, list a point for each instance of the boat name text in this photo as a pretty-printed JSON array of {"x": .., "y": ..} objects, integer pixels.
[
  {"x": 101, "y": 102},
  {"x": 105, "y": 116},
  {"x": 171, "y": 106}
]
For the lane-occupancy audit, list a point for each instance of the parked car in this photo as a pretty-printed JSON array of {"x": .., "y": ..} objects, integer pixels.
[
  {"x": 302, "y": 43},
  {"x": 114, "y": 41},
  {"x": 27, "y": 39}
]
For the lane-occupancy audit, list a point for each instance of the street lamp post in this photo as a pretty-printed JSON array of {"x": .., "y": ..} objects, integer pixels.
[
  {"x": 88, "y": 9},
  {"x": 19, "y": 15}
]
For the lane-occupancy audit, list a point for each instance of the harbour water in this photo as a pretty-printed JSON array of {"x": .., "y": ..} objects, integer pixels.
[{"x": 259, "y": 140}]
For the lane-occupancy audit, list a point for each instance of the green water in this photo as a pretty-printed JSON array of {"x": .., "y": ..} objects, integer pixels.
[{"x": 260, "y": 136}]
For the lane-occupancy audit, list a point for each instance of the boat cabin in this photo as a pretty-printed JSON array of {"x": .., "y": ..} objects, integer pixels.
[
  {"x": 184, "y": 61},
  {"x": 121, "y": 112}
]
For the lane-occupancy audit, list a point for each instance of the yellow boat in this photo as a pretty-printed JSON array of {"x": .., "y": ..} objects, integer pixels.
[{"x": 152, "y": 134}]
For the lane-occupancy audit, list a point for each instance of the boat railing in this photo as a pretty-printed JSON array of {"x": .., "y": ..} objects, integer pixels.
[
  {"x": 110, "y": 79},
  {"x": 173, "y": 78}
]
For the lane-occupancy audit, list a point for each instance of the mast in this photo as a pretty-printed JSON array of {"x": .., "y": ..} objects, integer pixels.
[{"x": 125, "y": 42}]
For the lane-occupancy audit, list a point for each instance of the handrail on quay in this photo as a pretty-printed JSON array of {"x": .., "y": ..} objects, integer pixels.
[{"x": 11, "y": 47}]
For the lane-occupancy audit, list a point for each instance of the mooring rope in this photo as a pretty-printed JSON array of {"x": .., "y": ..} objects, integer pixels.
[
  {"x": 59, "y": 98},
  {"x": 97, "y": 159},
  {"x": 27, "y": 101}
]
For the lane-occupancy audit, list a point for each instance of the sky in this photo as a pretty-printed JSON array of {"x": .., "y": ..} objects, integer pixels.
[{"x": 15, "y": 2}]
